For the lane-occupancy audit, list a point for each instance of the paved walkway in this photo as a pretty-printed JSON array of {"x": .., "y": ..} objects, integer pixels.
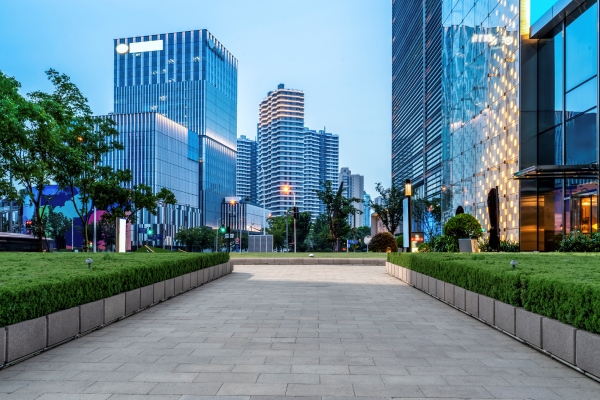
[{"x": 311, "y": 331}]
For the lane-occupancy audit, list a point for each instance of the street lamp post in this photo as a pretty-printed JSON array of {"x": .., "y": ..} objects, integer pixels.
[{"x": 408, "y": 194}]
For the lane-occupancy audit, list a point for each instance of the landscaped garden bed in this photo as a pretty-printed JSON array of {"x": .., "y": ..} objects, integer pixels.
[
  {"x": 564, "y": 287},
  {"x": 37, "y": 284}
]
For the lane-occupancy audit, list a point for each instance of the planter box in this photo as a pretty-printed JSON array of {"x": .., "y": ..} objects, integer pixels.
[
  {"x": 404, "y": 274},
  {"x": 472, "y": 303},
  {"x": 559, "y": 339},
  {"x": 146, "y": 296},
  {"x": 588, "y": 352},
  {"x": 425, "y": 283},
  {"x": 398, "y": 271},
  {"x": 341, "y": 261},
  {"x": 440, "y": 289},
  {"x": 204, "y": 273},
  {"x": 413, "y": 278},
  {"x": 504, "y": 316},
  {"x": 186, "y": 282},
  {"x": 486, "y": 309},
  {"x": 468, "y": 246},
  {"x": 324, "y": 261},
  {"x": 25, "y": 338},
  {"x": 132, "y": 301},
  {"x": 62, "y": 325},
  {"x": 177, "y": 285},
  {"x": 169, "y": 288},
  {"x": 529, "y": 327},
  {"x": 211, "y": 273},
  {"x": 114, "y": 307},
  {"x": 194, "y": 279},
  {"x": 432, "y": 286},
  {"x": 448, "y": 293},
  {"x": 459, "y": 297},
  {"x": 91, "y": 315},
  {"x": 159, "y": 291},
  {"x": 419, "y": 281},
  {"x": 2, "y": 345}
]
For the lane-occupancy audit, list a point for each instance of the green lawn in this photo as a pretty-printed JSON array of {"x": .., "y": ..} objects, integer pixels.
[
  {"x": 563, "y": 286},
  {"x": 303, "y": 255}
]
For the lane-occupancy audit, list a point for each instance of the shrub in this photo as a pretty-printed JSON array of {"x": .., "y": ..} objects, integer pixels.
[
  {"x": 425, "y": 248},
  {"x": 444, "y": 244},
  {"x": 382, "y": 242},
  {"x": 565, "y": 288},
  {"x": 506, "y": 246},
  {"x": 400, "y": 241},
  {"x": 580, "y": 242},
  {"x": 33, "y": 285},
  {"x": 463, "y": 226}
]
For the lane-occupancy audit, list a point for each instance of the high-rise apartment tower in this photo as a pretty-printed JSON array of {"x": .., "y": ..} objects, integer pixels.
[{"x": 247, "y": 169}]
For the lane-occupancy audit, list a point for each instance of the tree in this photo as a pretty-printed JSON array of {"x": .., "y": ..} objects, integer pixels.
[
  {"x": 389, "y": 211},
  {"x": 86, "y": 140},
  {"x": 319, "y": 237},
  {"x": 337, "y": 210},
  {"x": 112, "y": 195},
  {"x": 303, "y": 225},
  {"x": 276, "y": 227},
  {"x": 55, "y": 226},
  {"x": 200, "y": 237},
  {"x": 30, "y": 139}
]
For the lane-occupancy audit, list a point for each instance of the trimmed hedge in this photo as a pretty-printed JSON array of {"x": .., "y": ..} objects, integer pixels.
[
  {"x": 558, "y": 286},
  {"x": 33, "y": 285}
]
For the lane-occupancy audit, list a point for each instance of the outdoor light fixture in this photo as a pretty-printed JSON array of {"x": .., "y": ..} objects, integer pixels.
[
  {"x": 89, "y": 262},
  {"x": 408, "y": 188},
  {"x": 513, "y": 264}
]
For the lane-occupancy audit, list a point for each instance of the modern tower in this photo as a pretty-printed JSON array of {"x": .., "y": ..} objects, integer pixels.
[
  {"x": 417, "y": 95},
  {"x": 321, "y": 161},
  {"x": 281, "y": 149},
  {"x": 247, "y": 169},
  {"x": 367, "y": 210},
  {"x": 190, "y": 78},
  {"x": 354, "y": 186}
]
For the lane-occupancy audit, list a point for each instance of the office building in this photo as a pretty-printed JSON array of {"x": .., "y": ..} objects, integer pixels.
[
  {"x": 417, "y": 95},
  {"x": 291, "y": 155},
  {"x": 321, "y": 163},
  {"x": 247, "y": 169},
  {"x": 190, "y": 78},
  {"x": 558, "y": 169},
  {"x": 354, "y": 186},
  {"x": 367, "y": 210},
  {"x": 480, "y": 61},
  {"x": 160, "y": 153}
]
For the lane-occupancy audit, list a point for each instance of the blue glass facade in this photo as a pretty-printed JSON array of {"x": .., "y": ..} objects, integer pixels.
[
  {"x": 480, "y": 108},
  {"x": 247, "y": 169},
  {"x": 559, "y": 125},
  {"x": 191, "y": 78},
  {"x": 417, "y": 95}
]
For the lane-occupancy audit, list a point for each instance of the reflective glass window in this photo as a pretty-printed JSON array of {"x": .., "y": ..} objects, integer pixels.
[
  {"x": 582, "y": 98},
  {"x": 581, "y": 47},
  {"x": 581, "y": 135}
]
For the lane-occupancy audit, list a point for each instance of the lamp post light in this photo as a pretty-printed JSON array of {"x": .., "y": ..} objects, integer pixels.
[
  {"x": 287, "y": 190},
  {"x": 217, "y": 235},
  {"x": 408, "y": 194}
]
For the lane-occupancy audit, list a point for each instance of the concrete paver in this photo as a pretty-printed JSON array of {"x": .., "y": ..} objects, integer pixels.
[{"x": 311, "y": 332}]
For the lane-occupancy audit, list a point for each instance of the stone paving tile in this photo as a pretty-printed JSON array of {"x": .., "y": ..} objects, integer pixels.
[{"x": 311, "y": 332}]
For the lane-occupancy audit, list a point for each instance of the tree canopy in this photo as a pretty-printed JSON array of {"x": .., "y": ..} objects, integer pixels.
[
  {"x": 389, "y": 210},
  {"x": 337, "y": 210}
]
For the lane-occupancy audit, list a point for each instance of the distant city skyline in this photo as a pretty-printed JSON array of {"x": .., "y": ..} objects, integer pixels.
[{"x": 342, "y": 64}]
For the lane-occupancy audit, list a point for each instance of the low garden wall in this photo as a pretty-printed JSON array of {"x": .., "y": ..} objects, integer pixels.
[
  {"x": 577, "y": 347},
  {"x": 308, "y": 261},
  {"x": 28, "y": 337}
]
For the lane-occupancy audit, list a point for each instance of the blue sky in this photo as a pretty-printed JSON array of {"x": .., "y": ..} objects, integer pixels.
[{"x": 337, "y": 51}]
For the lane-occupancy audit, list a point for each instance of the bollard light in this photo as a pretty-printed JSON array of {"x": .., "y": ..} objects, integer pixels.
[
  {"x": 89, "y": 262},
  {"x": 513, "y": 264}
]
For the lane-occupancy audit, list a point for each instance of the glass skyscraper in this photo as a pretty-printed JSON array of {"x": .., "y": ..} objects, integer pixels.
[
  {"x": 417, "y": 95},
  {"x": 247, "y": 169},
  {"x": 191, "y": 78},
  {"x": 480, "y": 108}
]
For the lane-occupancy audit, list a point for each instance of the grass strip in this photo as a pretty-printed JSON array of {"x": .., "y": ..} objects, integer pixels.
[
  {"x": 36, "y": 284},
  {"x": 562, "y": 286}
]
